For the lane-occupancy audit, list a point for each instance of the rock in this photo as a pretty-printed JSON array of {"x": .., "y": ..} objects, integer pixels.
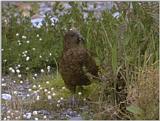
[{"x": 6, "y": 97}]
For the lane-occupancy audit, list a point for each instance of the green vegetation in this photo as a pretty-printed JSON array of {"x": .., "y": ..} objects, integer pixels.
[{"x": 128, "y": 45}]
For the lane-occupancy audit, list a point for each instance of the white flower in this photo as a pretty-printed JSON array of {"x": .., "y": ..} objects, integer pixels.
[
  {"x": 18, "y": 71},
  {"x": 59, "y": 101},
  {"x": 49, "y": 92},
  {"x": 15, "y": 92},
  {"x": 27, "y": 68},
  {"x": 52, "y": 88},
  {"x": 19, "y": 44},
  {"x": 37, "y": 35},
  {"x": 63, "y": 88},
  {"x": 40, "y": 56},
  {"x": 49, "y": 97},
  {"x": 19, "y": 65},
  {"x": 28, "y": 95},
  {"x": 40, "y": 39},
  {"x": 28, "y": 115},
  {"x": 39, "y": 85},
  {"x": 10, "y": 68},
  {"x": 50, "y": 54},
  {"x": 58, "y": 105},
  {"x": 13, "y": 71},
  {"x": 14, "y": 81},
  {"x": 21, "y": 81},
  {"x": 42, "y": 71},
  {"x": 84, "y": 99},
  {"x": 38, "y": 97},
  {"x": 35, "y": 118},
  {"x": 24, "y": 37},
  {"x": 27, "y": 58},
  {"x": 29, "y": 90},
  {"x": 2, "y": 79},
  {"x": 34, "y": 86},
  {"x": 2, "y": 49},
  {"x": 33, "y": 49},
  {"x": 35, "y": 75},
  {"x": 53, "y": 94},
  {"x": 44, "y": 116},
  {"x": 3, "y": 84},
  {"x": 35, "y": 112},
  {"x": 61, "y": 98},
  {"x": 47, "y": 82},
  {"x": 26, "y": 51},
  {"x": 28, "y": 41},
  {"x": 40, "y": 88},
  {"x": 45, "y": 90},
  {"x": 17, "y": 34},
  {"x": 79, "y": 93},
  {"x": 5, "y": 60},
  {"x": 24, "y": 115}
]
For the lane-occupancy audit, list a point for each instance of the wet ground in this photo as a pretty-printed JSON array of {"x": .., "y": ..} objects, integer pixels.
[{"x": 23, "y": 100}]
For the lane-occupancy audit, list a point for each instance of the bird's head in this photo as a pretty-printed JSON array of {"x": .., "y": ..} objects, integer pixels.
[{"x": 73, "y": 38}]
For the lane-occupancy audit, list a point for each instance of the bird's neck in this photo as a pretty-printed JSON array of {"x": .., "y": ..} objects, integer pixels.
[{"x": 70, "y": 45}]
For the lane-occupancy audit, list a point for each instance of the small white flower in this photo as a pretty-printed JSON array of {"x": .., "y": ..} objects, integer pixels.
[
  {"x": 19, "y": 65},
  {"x": 48, "y": 67},
  {"x": 2, "y": 79},
  {"x": 21, "y": 81},
  {"x": 47, "y": 82},
  {"x": 84, "y": 99},
  {"x": 40, "y": 56},
  {"x": 28, "y": 115},
  {"x": 42, "y": 70},
  {"x": 37, "y": 35},
  {"x": 44, "y": 116},
  {"x": 35, "y": 75},
  {"x": 29, "y": 90},
  {"x": 49, "y": 92},
  {"x": 50, "y": 54},
  {"x": 10, "y": 68},
  {"x": 40, "y": 39},
  {"x": 14, "y": 81},
  {"x": 27, "y": 58},
  {"x": 17, "y": 34},
  {"x": 38, "y": 97},
  {"x": 53, "y": 94},
  {"x": 35, "y": 112},
  {"x": 52, "y": 88},
  {"x": 26, "y": 51},
  {"x": 45, "y": 90},
  {"x": 24, "y": 37},
  {"x": 33, "y": 49},
  {"x": 58, "y": 105},
  {"x": 5, "y": 60},
  {"x": 3, "y": 84},
  {"x": 2, "y": 49},
  {"x": 19, "y": 75},
  {"x": 34, "y": 86},
  {"x": 40, "y": 88},
  {"x": 36, "y": 119},
  {"x": 59, "y": 101},
  {"x": 19, "y": 43},
  {"x": 18, "y": 71},
  {"x": 13, "y": 71},
  {"x": 61, "y": 98},
  {"x": 27, "y": 68},
  {"x": 4, "y": 118},
  {"x": 63, "y": 88},
  {"x": 15, "y": 92},
  {"x": 39, "y": 85},
  {"x": 24, "y": 115},
  {"x": 79, "y": 93},
  {"x": 28, "y": 42},
  {"x": 49, "y": 97},
  {"x": 28, "y": 95}
]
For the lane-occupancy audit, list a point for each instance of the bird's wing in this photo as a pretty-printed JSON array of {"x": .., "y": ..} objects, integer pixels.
[{"x": 89, "y": 64}]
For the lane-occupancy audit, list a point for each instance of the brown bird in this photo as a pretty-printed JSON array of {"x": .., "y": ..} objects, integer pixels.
[{"x": 76, "y": 61}]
